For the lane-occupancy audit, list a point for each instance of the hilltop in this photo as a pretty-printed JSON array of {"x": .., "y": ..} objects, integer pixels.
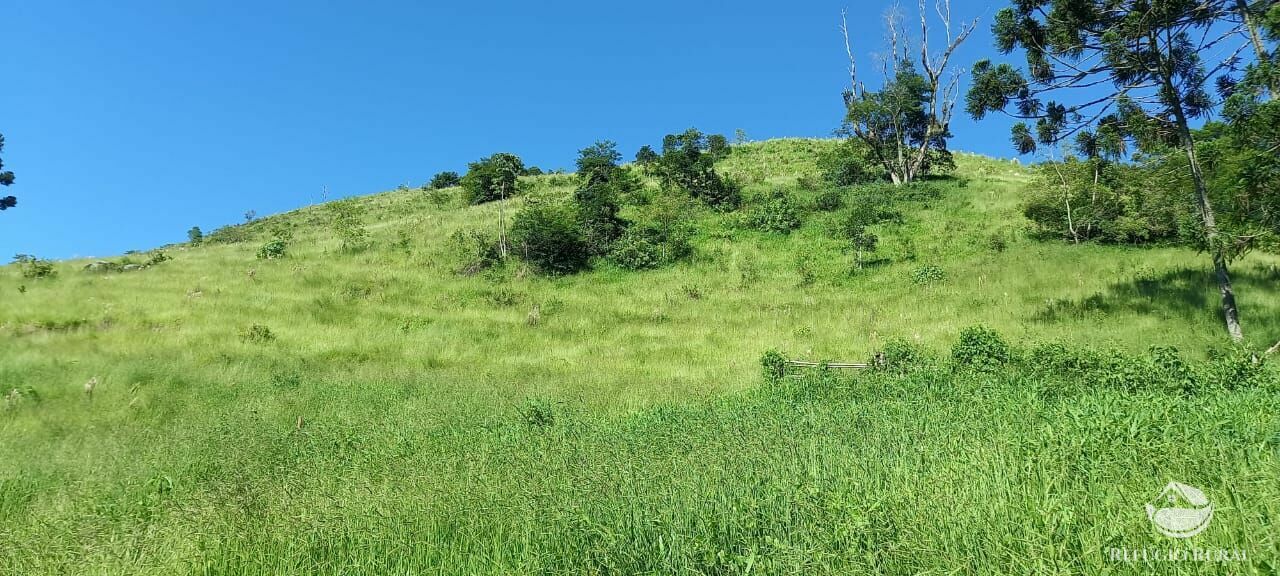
[{"x": 381, "y": 408}]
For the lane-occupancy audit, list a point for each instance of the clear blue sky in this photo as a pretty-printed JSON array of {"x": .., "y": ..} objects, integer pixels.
[{"x": 129, "y": 122}]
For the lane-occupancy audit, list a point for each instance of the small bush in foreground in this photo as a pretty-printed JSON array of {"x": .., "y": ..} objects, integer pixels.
[
  {"x": 773, "y": 365},
  {"x": 899, "y": 356},
  {"x": 980, "y": 348}
]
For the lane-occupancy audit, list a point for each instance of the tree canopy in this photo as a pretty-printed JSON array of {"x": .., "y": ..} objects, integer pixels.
[{"x": 6, "y": 179}]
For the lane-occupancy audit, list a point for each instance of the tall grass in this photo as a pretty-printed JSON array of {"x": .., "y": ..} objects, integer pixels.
[{"x": 403, "y": 418}]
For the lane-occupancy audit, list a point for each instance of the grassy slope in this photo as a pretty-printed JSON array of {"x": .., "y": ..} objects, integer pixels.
[{"x": 409, "y": 380}]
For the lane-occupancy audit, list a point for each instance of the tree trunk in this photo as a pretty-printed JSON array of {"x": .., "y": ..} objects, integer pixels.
[
  {"x": 502, "y": 222},
  {"x": 1258, "y": 48},
  {"x": 1229, "y": 311}
]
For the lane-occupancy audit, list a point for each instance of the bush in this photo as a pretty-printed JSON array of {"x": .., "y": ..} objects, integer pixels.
[
  {"x": 773, "y": 365},
  {"x": 779, "y": 213},
  {"x": 829, "y": 200},
  {"x": 33, "y": 268},
  {"x": 257, "y": 334},
  {"x": 348, "y": 225},
  {"x": 848, "y": 163},
  {"x": 195, "y": 236},
  {"x": 927, "y": 274},
  {"x": 156, "y": 257},
  {"x": 997, "y": 243},
  {"x": 660, "y": 235},
  {"x": 492, "y": 178},
  {"x": 980, "y": 348},
  {"x": 272, "y": 250},
  {"x": 446, "y": 179},
  {"x": 635, "y": 251},
  {"x": 1235, "y": 368},
  {"x": 1109, "y": 203},
  {"x": 900, "y": 356},
  {"x": 546, "y": 235},
  {"x": 475, "y": 250}
]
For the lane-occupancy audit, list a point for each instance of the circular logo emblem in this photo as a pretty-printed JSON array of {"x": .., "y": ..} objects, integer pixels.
[{"x": 1180, "y": 511}]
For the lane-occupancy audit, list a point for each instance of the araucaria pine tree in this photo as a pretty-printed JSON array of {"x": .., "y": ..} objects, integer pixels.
[
  {"x": 6, "y": 179},
  {"x": 1139, "y": 71}
]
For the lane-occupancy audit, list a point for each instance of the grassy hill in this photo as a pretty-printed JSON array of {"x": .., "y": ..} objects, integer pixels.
[{"x": 396, "y": 416}]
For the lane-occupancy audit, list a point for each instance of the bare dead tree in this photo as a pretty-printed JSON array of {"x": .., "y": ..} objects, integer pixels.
[{"x": 901, "y": 123}]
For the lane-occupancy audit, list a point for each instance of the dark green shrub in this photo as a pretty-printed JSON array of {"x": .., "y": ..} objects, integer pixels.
[
  {"x": 829, "y": 200},
  {"x": 773, "y": 366},
  {"x": 778, "y": 213},
  {"x": 446, "y": 179},
  {"x": 980, "y": 348},
  {"x": 492, "y": 178},
  {"x": 195, "y": 236},
  {"x": 272, "y": 250},
  {"x": 1235, "y": 368},
  {"x": 1175, "y": 374},
  {"x": 547, "y": 236},
  {"x": 646, "y": 158},
  {"x": 900, "y": 356},
  {"x": 602, "y": 182},
  {"x": 687, "y": 164},
  {"x": 718, "y": 146}
]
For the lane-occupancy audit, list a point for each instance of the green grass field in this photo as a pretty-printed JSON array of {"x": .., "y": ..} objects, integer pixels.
[{"x": 406, "y": 419}]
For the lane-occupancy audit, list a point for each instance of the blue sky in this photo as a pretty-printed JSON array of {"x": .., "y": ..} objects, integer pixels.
[{"x": 129, "y": 122}]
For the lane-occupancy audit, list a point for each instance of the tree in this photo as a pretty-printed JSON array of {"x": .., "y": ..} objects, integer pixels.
[
  {"x": 906, "y": 123},
  {"x": 687, "y": 164},
  {"x": 646, "y": 155},
  {"x": 446, "y": 179},
  {"x": 1142, "y": 67},
  {"x": 601, "y": 182},
  {"x": 195, "y": 236},
  {"x": 6, "y": 180},
  {"x": 494, "y": 178}
]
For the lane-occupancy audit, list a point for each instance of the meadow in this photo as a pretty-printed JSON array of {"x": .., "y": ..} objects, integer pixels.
[{"x": 336, "y": 412}]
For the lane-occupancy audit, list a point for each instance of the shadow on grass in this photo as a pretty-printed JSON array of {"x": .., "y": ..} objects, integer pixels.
[{"x": 1186, "y": 293}]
